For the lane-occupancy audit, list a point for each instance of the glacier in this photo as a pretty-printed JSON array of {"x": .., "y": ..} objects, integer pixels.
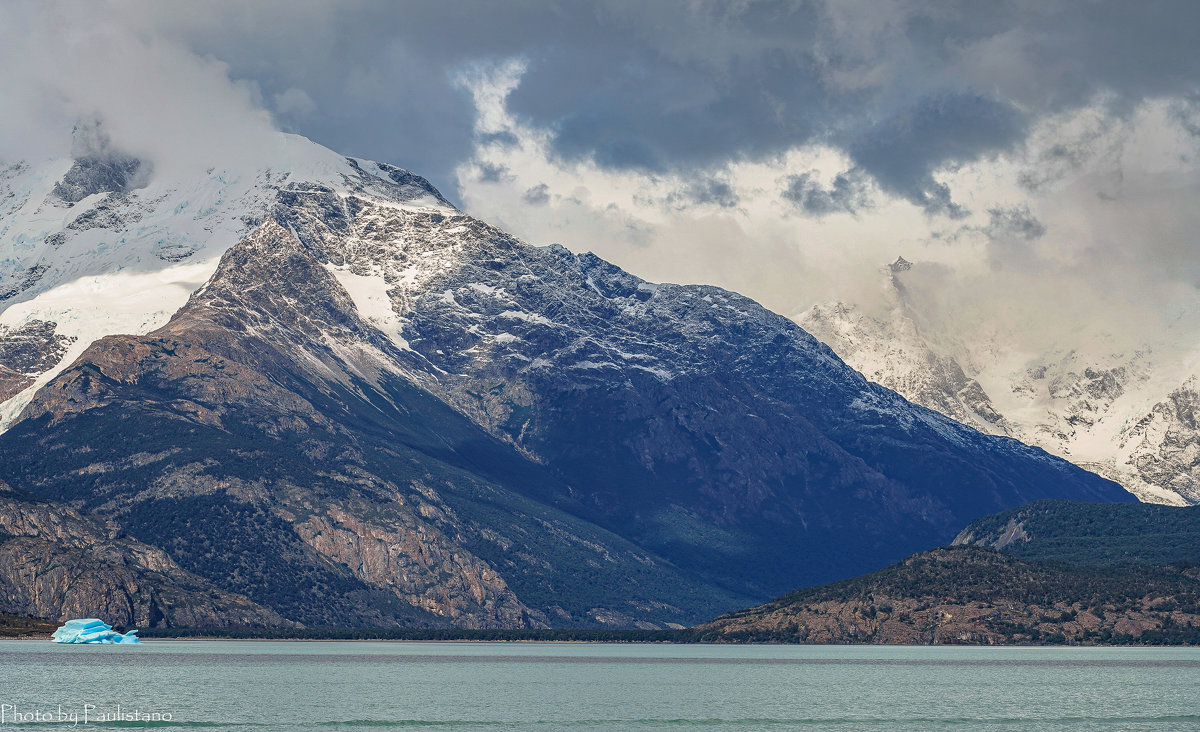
[{"x": 92, "y": 630}]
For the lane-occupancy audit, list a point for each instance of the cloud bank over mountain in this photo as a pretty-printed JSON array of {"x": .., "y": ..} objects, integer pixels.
[{"x": 1041, "y": 155}]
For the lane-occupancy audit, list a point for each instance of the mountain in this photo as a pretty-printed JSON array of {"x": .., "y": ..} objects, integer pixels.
[
  {"x": 971, "y": 595},
  {"x": 101, "y": 243},
  {"x": 372, "y": 409},
  {"x": 1126, "y": 412}
]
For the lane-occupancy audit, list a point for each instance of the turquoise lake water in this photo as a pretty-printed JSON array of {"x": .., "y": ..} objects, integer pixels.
[{"x": 288, "y": 685}]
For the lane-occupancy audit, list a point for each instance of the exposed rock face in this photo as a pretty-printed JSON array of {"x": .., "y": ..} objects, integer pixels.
[
  {"x": 33, "y": 347},
  {"x": 421, "y": 564},
  {"x": 58, "y": 564},
  {"x": 12, "y": 382},
  {"x": 97, "y": 168},
  {"x": 27, "y": 351},
  {"x": 91, "y": 175},
  {"x": 1164, "y": 445}
]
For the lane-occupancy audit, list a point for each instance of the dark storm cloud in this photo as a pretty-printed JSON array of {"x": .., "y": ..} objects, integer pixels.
[
  {"x": 1015, "y": 221},
  {"x": 664, "y": 89},
  {"x": 705, "y": 192},
  {"x": 905, "y": 88},
  {"x": 903, "y": 152},
  {"x": 848, "y": 194},
  {"x": 493, "y": 173},
  {"x": 538, "y": 195}
]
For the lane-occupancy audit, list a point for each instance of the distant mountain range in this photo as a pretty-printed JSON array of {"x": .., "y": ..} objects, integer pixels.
[
  {"x": 317, "y": 393},
  {"x": 1129, "y": 413}
]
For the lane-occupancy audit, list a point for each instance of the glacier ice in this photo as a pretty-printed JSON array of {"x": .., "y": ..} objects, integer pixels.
[{"x": 91, "y": 630}]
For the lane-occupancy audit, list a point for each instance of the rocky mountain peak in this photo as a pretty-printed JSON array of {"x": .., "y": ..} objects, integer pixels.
[{"x": 98, "y": 166}]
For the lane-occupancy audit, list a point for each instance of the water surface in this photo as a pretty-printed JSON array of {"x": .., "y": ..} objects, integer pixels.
[{"x": 299, "y": 685}]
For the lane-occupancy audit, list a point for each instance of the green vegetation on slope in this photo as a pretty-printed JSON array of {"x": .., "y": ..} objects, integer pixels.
[{"x": 1094, "y": 534}]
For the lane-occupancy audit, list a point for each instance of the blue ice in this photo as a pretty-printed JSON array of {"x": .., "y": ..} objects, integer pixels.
[{"x": 91, "y": 630}]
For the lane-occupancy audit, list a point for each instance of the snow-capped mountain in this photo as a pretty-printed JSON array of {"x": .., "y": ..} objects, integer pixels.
[
  {"x": 895, "y": 354},
  {"x": 1126, "y": 413},
  {"x": 321, "y": 388},
  {"x": 100, "y": 244}
]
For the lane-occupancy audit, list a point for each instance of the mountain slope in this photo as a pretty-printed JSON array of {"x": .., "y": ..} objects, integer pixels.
[
  {"x": 378, "y": 410},
  {"x": 102, "y": 243},
  {"x": 257, "y": 438}
]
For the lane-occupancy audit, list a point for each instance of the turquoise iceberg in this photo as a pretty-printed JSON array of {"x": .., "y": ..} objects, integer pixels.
[{"x": 91, "y": 630}]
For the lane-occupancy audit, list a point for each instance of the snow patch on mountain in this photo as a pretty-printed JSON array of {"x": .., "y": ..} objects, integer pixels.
[{"x": 374, "y": 304}]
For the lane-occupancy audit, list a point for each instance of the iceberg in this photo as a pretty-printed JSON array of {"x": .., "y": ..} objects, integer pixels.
[{"x": 91, "y": 630}]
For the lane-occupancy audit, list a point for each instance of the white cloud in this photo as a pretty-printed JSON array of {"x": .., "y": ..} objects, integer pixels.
[
  {"x": 157, "y": 99},
  {"x": 294, "y": 102}
]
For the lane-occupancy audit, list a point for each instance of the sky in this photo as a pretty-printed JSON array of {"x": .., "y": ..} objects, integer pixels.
[{"x": 1036, "y": 160}]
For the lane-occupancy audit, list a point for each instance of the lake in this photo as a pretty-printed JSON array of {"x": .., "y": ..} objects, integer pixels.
[{"x": 299, "y": 685}]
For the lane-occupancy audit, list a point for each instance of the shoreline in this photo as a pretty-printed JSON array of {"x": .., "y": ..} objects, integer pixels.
[{"x": 31, "y": 629}]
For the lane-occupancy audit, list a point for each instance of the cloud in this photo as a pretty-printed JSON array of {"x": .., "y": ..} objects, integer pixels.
[
  {"x": 1012, "y": 234},
  {"x": 848, "y": 194},
  {"x": 158, "y": 101},
  {"x": 500, "y": 139},
  {"x": 1014, "y": 221},
  {"x": 1100, "y": 241},
  {"x": 295, "y": 103},
  {"x": 1028, "y": 149},
  {"x": 705, "y": 191},
  {"x": 538, "y": 195},
  {"x": 909, "y": 88},
  {"x": 493, "y": 173},
  {"x": 903, "y": 152}
]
